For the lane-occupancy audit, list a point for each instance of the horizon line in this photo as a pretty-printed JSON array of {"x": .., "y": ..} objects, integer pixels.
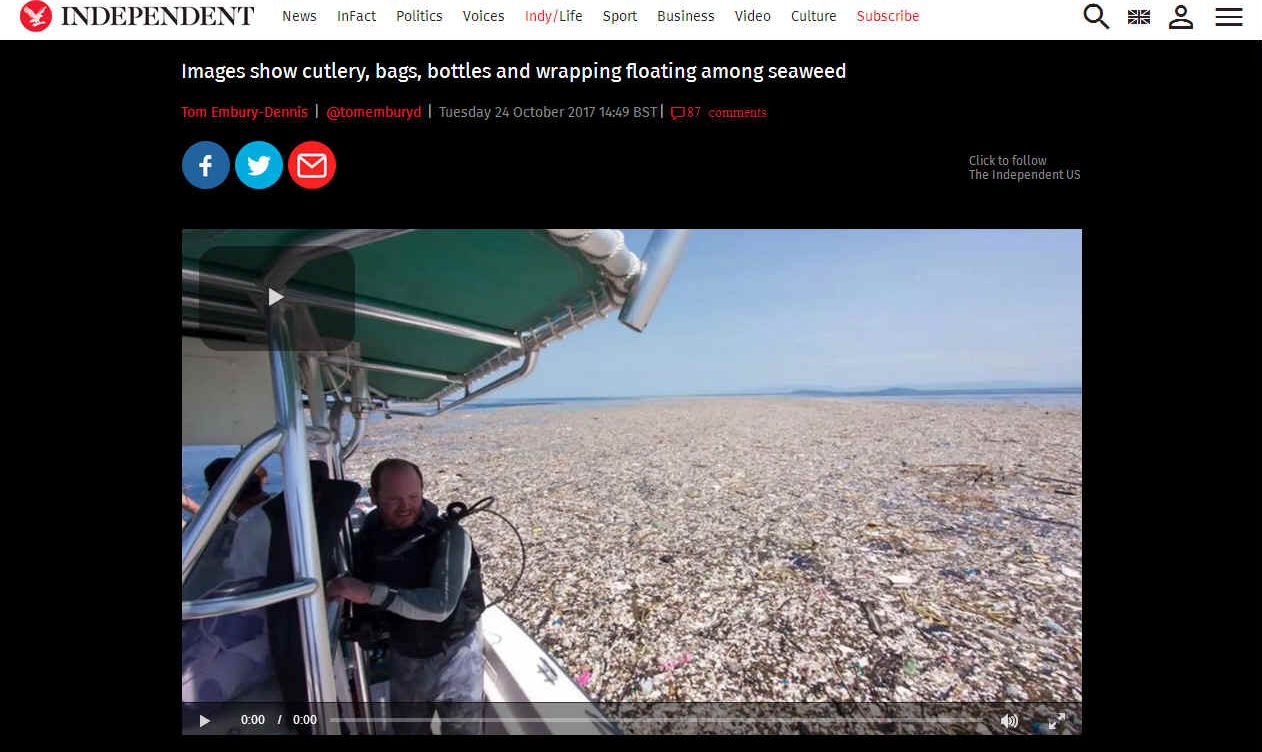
[{"x": 883, "y": 391}]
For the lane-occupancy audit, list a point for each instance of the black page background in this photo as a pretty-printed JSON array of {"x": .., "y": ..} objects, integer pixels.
[{"x": 1170, "y": 271}]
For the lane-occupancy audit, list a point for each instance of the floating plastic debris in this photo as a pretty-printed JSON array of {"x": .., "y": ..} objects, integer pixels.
[
  {"x": 744, "y": 593},
  {"x": 801, "y": 561},
  {"x": 676, "y": 662}
]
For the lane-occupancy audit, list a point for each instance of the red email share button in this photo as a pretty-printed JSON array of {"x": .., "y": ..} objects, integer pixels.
[{"x": 311, "y": 164}]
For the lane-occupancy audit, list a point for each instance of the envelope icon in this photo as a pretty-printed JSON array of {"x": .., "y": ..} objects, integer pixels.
[{"x": 313, "y": 165}]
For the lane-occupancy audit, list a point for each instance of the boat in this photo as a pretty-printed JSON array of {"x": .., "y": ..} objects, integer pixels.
[{"x": 289, "y": 336}]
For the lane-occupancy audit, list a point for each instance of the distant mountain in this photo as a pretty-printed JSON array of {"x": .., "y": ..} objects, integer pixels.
[
  {"x": 987, "y": 385},
  {"x": 905, "y": 392},
  {"x": 888, "y": 392}
]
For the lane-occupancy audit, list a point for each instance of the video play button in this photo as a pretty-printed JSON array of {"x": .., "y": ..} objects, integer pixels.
[
  {"x": 202, "y": 721},
  {"x": 273, "y": 297}
]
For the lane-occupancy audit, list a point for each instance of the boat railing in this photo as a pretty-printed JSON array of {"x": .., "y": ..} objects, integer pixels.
[{"x": 289, "y": 437}]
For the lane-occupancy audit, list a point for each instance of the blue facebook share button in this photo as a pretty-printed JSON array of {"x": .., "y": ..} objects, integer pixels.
[{"x": 206, "y": 164}]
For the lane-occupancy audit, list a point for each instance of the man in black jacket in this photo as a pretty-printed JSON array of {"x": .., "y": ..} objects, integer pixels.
[{"x": 430, "y": 596}]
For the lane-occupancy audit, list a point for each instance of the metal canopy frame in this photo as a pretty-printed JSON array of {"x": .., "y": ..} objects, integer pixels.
[
  {"x": 340, "y": 303},
  {"x": 634, "y": 283}
]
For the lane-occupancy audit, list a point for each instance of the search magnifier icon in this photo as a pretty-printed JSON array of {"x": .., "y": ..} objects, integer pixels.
[{"x": 1099, "y": 14}]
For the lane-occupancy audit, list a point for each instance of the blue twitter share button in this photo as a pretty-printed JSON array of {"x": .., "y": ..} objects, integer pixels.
[{"x": 259, "y": 165}]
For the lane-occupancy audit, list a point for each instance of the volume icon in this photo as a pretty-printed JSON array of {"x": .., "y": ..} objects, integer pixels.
[{"x": 1010, "y": 721}]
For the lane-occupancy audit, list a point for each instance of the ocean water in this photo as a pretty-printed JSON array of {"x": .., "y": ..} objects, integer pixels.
[{"x": 1059, "y": 398}]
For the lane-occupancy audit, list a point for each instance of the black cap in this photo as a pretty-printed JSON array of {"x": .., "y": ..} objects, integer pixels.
[{"x": 253, "y": 485}]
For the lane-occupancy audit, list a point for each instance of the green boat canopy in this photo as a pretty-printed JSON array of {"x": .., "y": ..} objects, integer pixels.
[{"x": 483, "y": 297}]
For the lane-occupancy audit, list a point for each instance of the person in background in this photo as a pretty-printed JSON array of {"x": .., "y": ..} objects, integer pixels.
[
  {"x": 225, "y": 657},
  {"x": 189, "y": 506},
  {"x": 212, "y": 568},
  {"x": 248, "y": 557}
]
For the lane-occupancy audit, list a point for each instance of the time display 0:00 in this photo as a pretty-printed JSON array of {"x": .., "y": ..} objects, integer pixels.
[{"x": 259, "y": 720}]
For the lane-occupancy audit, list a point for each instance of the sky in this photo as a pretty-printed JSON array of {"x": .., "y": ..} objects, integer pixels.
[{"x": 773, "y": 310}]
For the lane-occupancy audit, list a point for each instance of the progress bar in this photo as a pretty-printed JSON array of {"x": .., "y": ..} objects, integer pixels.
[{"x": 669, "y": 720}]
